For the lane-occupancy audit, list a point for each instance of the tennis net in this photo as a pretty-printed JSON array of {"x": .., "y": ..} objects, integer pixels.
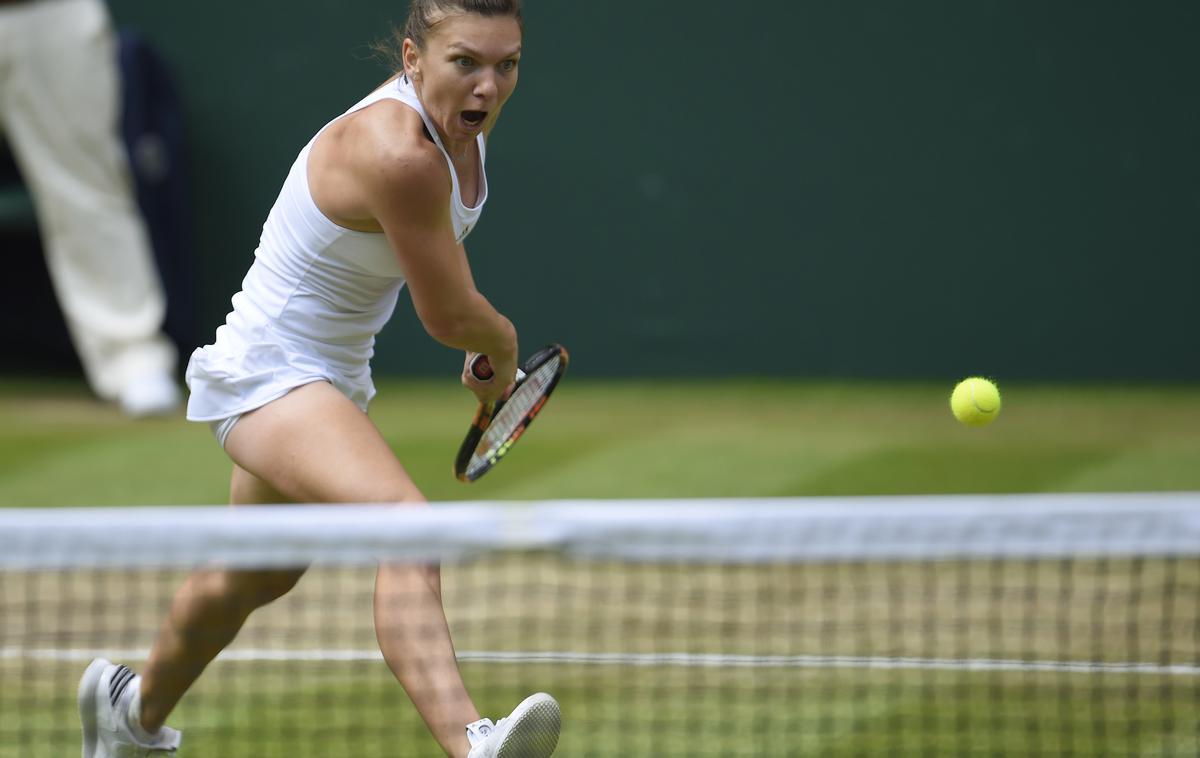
[{"x": 999, "y": 626}]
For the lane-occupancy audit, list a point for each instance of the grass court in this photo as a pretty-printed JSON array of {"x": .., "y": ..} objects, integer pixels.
[{"x": 879, "y": 628}]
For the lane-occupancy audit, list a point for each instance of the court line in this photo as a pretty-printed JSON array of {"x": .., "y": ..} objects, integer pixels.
[{"x": 685, "y": 660}]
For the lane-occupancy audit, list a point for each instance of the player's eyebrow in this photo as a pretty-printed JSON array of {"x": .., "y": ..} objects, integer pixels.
[{"x": 460, "y": 47}]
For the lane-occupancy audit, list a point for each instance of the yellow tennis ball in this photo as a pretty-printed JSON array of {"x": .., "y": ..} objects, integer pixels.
[{"x": 975, "y": 401}]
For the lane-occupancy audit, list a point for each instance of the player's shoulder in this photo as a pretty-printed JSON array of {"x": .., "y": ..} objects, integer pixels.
[{"x": 391, "y": 143}]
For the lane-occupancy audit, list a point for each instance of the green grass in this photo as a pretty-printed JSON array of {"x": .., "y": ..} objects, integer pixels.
[
  {"x": 356, "y": 710},
  {"x": 664, "y": 439},
  {"x": 653, "y": 439}
]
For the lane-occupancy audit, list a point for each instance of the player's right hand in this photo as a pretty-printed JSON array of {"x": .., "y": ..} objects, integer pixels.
[{"x": 480, "y": 375}]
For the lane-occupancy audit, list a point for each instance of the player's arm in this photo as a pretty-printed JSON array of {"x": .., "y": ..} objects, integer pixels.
[{"x": 409, "y": 194}]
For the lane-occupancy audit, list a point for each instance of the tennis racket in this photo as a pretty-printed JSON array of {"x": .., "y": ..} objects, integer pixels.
[{"x": 498, "y": 426}]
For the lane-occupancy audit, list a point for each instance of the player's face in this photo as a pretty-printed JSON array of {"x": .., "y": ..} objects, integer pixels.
[{"x": 466, "y": 72}]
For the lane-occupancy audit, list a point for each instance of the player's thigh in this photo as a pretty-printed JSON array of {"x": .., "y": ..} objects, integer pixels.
[
  {"x": 313, "y": 445},
  {"x": 244, "y": 589},
  {"x": 247, "y": 489}
]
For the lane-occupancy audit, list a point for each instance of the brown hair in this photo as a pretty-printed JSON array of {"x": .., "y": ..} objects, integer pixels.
[{"x": 424, "y": 15}]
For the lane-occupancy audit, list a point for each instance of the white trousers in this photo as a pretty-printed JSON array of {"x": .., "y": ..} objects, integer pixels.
[{"x": 59, "y": 111}]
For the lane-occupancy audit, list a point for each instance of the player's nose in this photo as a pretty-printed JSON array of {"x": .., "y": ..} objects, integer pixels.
[{"x": 486, "y": 88}]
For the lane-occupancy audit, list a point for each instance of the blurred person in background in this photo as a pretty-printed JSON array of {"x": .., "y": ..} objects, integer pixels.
[{"x": 60, "y": 94}]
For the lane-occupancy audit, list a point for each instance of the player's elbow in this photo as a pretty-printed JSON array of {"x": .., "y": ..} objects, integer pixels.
[
  {"x": 446, "y": 328},
  {"x": 453, "y": 327},
  {"x": 476, "y": 329}
]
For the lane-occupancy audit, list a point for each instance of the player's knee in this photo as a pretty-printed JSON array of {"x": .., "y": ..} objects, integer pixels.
[
  {"x": 268, "y": 586},
  {"x": 243, "y": 591}
]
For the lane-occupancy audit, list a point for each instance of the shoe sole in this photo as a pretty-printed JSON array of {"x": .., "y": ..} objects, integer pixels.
[
  {"x": 534, "y": 731},
  {"x": 86, "y": 698}
]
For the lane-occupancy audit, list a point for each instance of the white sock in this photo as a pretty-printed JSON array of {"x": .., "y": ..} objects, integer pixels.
[{"x": 133, "y": 714}]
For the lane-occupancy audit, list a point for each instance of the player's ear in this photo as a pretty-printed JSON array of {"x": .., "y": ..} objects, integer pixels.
[{"x": 411, "y": 57}]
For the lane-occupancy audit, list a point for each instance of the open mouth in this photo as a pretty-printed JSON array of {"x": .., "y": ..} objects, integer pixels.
[{"x": 473, "y": 119}]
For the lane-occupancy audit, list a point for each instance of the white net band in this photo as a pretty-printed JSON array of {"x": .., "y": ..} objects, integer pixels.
[{"x": 722, "y": 530}]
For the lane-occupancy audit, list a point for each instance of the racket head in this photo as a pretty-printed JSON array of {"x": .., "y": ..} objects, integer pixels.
[{"x": 495, "y": 430}]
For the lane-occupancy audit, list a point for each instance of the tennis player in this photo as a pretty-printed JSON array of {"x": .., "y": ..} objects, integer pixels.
[{"x": 381, "y": 197}]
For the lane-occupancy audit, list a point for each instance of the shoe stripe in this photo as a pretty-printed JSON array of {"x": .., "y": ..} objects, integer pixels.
[{"x": 120, "y": 680}]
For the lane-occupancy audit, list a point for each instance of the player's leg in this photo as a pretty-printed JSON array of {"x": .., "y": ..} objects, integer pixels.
[
  {"x": 206, "y": 614},
  {"x": 123, "y": 713},
  {"x": 314, "y": 445},
  {"x": 62, "y": 95}
]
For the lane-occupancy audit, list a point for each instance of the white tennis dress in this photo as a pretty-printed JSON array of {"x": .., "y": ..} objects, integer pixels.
[{"x": 314, "y": 298}]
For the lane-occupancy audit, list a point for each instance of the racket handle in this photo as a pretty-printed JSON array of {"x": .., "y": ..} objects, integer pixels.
[{"x": 481, "y": 368}]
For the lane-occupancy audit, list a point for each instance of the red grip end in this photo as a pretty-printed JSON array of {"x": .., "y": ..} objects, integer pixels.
[{"x": 481, "y": 368}]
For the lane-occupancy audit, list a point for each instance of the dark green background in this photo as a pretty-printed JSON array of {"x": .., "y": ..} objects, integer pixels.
[{"x": 849, "y": 189}]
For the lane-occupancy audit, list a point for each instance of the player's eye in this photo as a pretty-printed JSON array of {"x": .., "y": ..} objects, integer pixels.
[
  {"x": 508, "y": 65},
  {"x": 464, "y": 61}
]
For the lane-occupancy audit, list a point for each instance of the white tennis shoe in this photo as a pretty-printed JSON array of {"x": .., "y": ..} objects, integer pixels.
[
  {"x": 530, "y": 731},
  {"x": 105, "y": 693},
  {"x": 154, "y": 394}
]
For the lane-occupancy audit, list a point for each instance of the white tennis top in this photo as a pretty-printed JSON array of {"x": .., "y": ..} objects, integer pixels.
[{"x": 314, "y": 298}]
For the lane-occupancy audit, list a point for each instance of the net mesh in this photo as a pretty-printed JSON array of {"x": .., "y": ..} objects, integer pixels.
[{"x": 958, "y": 626}]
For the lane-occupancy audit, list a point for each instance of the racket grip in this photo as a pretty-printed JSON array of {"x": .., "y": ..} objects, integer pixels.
[{"x": 481, "y": 368}]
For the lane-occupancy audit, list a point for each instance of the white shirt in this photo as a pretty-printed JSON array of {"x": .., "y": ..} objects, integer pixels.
[{"x": 314, "y": 299}]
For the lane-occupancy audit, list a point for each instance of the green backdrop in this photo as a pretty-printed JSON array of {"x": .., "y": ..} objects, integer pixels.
[{"x": 850, "y": 189}]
